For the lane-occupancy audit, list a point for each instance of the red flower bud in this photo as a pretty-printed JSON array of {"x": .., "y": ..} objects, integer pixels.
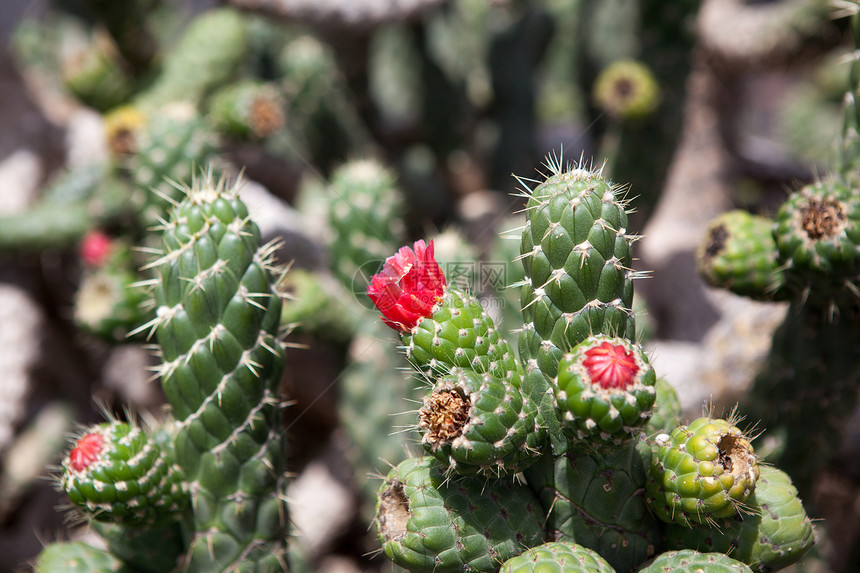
[
  {"x": 86, "y": 451},
  {"x": 610, "y": 366},
  {"x": 408, "y": 287},
  {"x": 95, "y": 248}
]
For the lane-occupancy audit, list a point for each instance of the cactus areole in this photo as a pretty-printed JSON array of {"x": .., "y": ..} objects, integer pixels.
[
  {"x": 86, "y": 451},
  {"x": 610, "y": 366},
  {"x": 408, "y": 287}
]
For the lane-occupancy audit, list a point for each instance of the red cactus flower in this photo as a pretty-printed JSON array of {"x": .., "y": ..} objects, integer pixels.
[
  {"x": 95, "y": 248},
  {"x": 408, "y": 287},
  {"x": 86, "y": 451},
  {"x": 610, "y": 365}
]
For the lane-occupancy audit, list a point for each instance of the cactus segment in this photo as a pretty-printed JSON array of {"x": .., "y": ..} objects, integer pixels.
[
  {"x": 701, "y": 472},
  {"x": 775, "y": 533},
  {"x": 366, "y": 220},
  {"x": 441, "y": 327},
  {"x": 77, "y": 557},
  {"x": 146, "y": 549},
  {"x": 577, "y": 257},
  {"x": 477, "y": 424},
  {"x": 205, "y": 57},
  {"x": 558, "y": 557},
  {"x": 740, "y": 254},
  {"x": 171, "y": 144},
  {"x": 605, "y": 391},
  {"x": 217, "y": 324},
  {"x": 116, "y": 473},
  {"x": 598, "y": 501},
  {"x": 430, "y": 523},
  {"x": 688, "y": 561},
  {"x": 248, "y": 110},
  {"x": 460, "y": 334},
  {"x": 818, "y": 237},
  {"x": 96, "y": 75}
]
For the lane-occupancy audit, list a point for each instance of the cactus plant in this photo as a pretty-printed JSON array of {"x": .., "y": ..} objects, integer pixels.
[
  {"x": 217, "y": 323},
  {"x": 806, "y": 254},
  {"x": 604, "y": 474}
]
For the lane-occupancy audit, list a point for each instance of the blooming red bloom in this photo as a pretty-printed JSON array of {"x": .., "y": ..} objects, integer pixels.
[
  {"x": 408, "y": 287},
  {"x": 95, "y": 248},
  {"x": 610, "y": 365},
  {"x": 86, "y": 451}
]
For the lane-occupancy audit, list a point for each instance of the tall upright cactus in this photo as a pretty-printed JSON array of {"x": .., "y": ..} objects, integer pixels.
[
  {"x": 217, "y": 327},
  {"x": 216, "y": 471}
]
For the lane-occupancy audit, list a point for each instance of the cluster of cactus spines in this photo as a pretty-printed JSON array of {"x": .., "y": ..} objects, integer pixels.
[
  {"x": 700, "y": 472},
  {"x": 558, "y": 557},
  {"x": 609, "y": 478},
  {"x": 433, "y": 523},
  {"x": 773, "y": 534}
]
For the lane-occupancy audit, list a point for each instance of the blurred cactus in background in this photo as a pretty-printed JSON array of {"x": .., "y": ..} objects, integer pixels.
[{"x": 205, "y": 194}]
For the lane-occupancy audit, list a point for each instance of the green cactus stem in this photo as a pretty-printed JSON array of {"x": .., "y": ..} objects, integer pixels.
[
  {"x": 666, "y": 413},
  {"x": 76, "y": 204},
  {"x": 598, "y": 501},
  {"x": 97, "y": 76},
  {"x": 431, "y": 523},
  {"x": 739, "y": 254},
  {"x": 687, "y": 561},
  {"x": 477, "y": 424},
  {"x": 818, "y": 238},
  {"x": 217, "y": 327},
  {"x": 577, "y": 258},
  {"x": 774, "y": 534},
  {"x": 167, "y": 148},
  {"x": 77, "y": 557},
  {"x": 605, "y": 391},
  {"x": 248, "y": 110},
  {"x": 700, "y": 472},
  {"x": 558, "y": 557},
  {"x": 365, "y": 216},
  {"x": 116, "y": 473},
  {"x": 205, "y": 57}
]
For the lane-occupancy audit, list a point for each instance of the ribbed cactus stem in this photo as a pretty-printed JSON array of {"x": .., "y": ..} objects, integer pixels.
[
  {"x": 217, "y": 326},
  {"x": 848, "y": 148}
]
